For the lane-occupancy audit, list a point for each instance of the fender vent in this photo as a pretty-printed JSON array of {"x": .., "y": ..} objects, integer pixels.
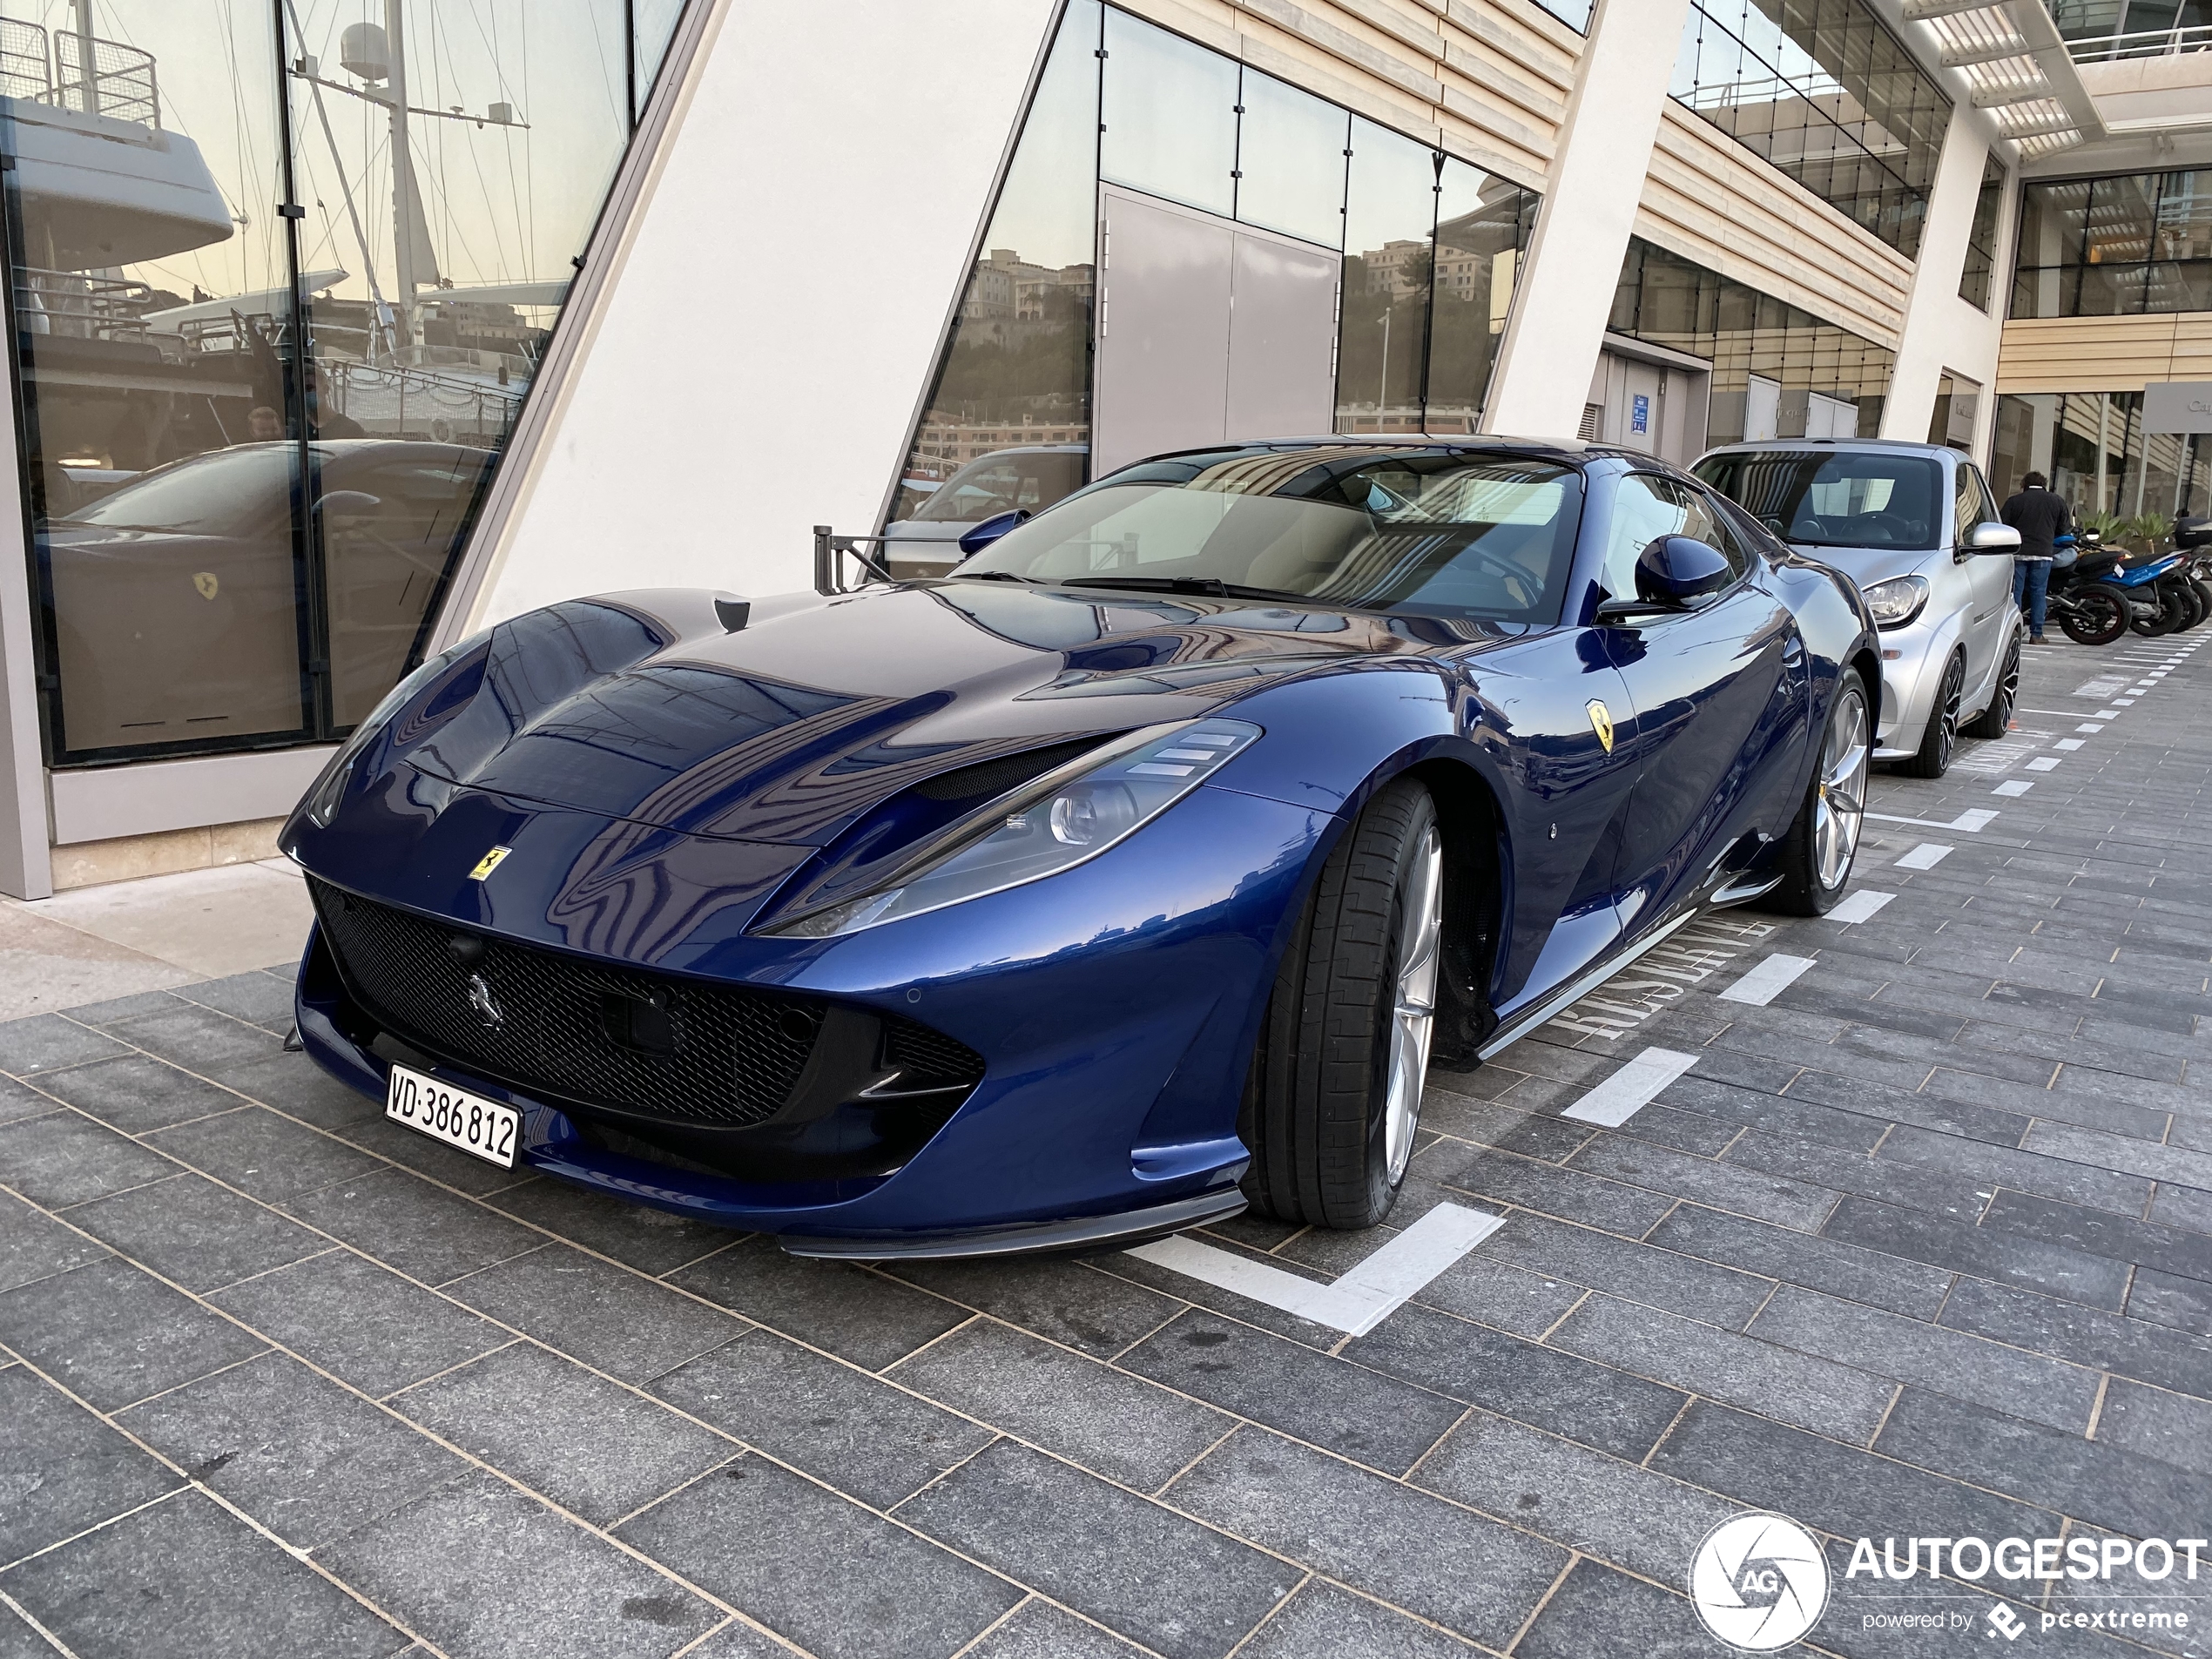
[{"x": 988, "y": 780}]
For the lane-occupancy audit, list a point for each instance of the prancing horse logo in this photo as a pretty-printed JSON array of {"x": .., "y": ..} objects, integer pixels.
[
  {"x": 1601, "y": 723},
  {"x": 489, "y": 1012}
]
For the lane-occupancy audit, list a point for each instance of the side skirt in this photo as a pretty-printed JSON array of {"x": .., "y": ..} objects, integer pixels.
[{"x": 1576, "y": 989}]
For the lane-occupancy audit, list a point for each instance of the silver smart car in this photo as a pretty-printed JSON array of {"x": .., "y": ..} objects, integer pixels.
[{"x": 1917, "y": 529}]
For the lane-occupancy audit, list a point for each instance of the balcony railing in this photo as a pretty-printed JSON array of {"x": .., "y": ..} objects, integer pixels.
[
  {"x": 2142, "y": 43},
  {"x": 85, "y": 74}
]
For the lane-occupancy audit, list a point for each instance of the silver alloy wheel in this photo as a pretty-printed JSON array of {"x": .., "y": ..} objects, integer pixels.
[
  {"x": 1840, "y": 811},
  {"x": 1412, "y": 1015}
]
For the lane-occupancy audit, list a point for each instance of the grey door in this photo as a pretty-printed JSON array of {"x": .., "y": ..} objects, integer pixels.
[{"x": 1282, "y": 335}]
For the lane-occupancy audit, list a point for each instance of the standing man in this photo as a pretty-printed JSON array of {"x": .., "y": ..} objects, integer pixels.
[{"x": 2040, "y": 516}]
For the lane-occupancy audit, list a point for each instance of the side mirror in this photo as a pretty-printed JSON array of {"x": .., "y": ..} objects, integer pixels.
[
  {"x": 1989, "y": 537},
  {"x": 2189, "y": 534},
  {"x": 991, "y": 528},
  {"x": 349, "y": 503},
  {"x": 1675, "y": 569}
]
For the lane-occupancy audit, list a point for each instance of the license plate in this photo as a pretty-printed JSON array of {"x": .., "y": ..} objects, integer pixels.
[{"x": 490, "y": 1130}]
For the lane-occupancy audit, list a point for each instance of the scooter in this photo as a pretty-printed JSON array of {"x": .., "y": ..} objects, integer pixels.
[
  {"x": 2161, "y": 596},
  {"x": 2089, "y": 607}
]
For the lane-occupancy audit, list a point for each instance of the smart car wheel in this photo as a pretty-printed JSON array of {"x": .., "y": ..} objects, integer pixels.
[
  {"x": 1933, "y": 758},
  {"x": 1817, "y": 850},
  {"x": 1997, "y": 719},
  {"x": 1334, "y": 1093}
]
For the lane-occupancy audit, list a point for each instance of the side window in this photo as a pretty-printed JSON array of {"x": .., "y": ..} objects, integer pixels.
[
  {"x": 1724, "y": 535},
  {"x": 1975, "y": 505},
  {"x": 1647, "y": 507}
]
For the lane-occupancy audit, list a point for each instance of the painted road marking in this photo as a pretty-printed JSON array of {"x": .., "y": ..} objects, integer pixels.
[
  {"x": 1970, "y": 822},
  {"x": 2068, "y": 743},
  {"x": 2091, "y": 730},
  {"x": 2048, "y": 762},
  {"x": 1925, "y": 856},
  {"x": 2018, "y": 787},
  {"x": 1628, "y": 1090},
  {"x": 1358, "y": 1300},
  {"x": 1767, "y": 980},
  {"x": 1859, "y": 907}
]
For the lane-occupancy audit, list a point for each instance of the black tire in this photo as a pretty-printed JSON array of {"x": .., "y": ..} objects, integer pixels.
[
  {"x": 1932, "y": 759},
  {"x": 2098, "y": 615},
  {"x": 1997, "y": 719},
  {"x": 1805, "y": 890},
  {"x": 2193, "y": 597},
  {"x": 2173, "y": 612},
  {"x": 1313, "y": 1111}
]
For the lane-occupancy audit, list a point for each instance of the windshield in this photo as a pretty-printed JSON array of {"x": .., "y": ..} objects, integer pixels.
[
  {"x": 225, "y": 492},
  {"x": 1834, "y": 498},
  {"x": 1416, "y": 532}
]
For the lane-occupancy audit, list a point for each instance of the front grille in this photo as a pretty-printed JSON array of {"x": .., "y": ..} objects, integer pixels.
[{"x": 596, "y": 1033}]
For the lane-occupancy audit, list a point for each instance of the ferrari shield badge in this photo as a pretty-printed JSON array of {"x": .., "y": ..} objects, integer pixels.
[
  {"x": 1601, "y": 723},
  {"x": 490, "y": 860},
  {"x": 206, "y": 582}
]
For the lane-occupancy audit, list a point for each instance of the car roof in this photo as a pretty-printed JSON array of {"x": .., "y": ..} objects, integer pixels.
[
  {"x": 1886, "y": 446},
  {"x": 1566, "y": 449}
]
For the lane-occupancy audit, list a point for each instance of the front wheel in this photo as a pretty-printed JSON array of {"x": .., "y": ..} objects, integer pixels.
[
  {"x": 2096, "y": 615},
  {"x": 1932, "y": 759},
  {"x": 1997, "y": 719},
  {"x": 1819, "y": 847},
  {"x": 2173, "y": 612},
  {"x": 1334, "y": 1093}
]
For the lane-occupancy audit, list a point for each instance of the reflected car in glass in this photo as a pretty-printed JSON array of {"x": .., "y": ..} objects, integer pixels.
[
  {"x": 1024, "y": 480},
  {"x": 1915, "y": 526},
  {"x": 1135, "y": 873}
]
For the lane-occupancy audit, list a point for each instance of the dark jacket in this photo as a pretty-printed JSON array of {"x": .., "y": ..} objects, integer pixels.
[{"x": 2037, "y": 515}]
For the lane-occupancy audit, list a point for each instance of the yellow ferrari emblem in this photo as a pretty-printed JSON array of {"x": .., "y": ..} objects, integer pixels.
[
  {"x": 489, "y": 862},
  {"x": 1601, "y": 723},
  {"x": 205, "y": 582}
]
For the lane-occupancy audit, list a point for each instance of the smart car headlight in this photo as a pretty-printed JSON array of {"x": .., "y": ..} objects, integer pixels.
[
  {"x": 320, "y": 803},
  {"x": 1897, "y": 602},
  {"x": 1061, "y": 820}
]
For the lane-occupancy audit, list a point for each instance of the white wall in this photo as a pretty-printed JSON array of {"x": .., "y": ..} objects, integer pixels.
[{"x": 753, "y": 366}]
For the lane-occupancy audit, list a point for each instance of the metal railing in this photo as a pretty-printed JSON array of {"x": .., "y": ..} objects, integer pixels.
[
  {"x": 2142, "y": 43},
  {"x": 118, "y": 82}
]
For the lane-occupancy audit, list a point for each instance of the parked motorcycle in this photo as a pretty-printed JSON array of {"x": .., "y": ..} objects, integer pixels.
[
  {"x": 2162, "y": 598},
  {"x": 2193, "y": 540},
  {"x": 2090, "y": 607}
]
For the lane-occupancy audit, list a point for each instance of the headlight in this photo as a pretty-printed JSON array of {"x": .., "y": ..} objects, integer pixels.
[
  {"x": 1068, "y": 816},
  {"x": 320, "y": 803},
  {"x": 1898, "y": 601}
]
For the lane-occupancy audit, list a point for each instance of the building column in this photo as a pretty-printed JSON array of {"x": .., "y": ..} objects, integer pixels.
[
  {"x": 1564, "y": 297},
  {"x": 26, "y": 854},
  {"x": 1942, "y": 331}
]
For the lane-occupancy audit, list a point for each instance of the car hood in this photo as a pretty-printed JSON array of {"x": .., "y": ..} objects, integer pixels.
[
  {"x": 646, "y": 706},
  {"x": 1867, "y": 565}
]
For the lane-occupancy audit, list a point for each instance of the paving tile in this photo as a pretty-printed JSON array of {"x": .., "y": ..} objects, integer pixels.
[
  {"x": 2174, "y": 1429},
  {"x": 62, "y": 1159},
  {"x": 480, "y": 1569},
  {"x": 62, "y": 1469},
  {"x": 1566, "y": 1195},
  {"x": 594, "y": 1448},
  {"x": 737, "y": 1640},
  {"x": 412, "y": 1149},
  {"x": 297, "y": 1087},
  {"x": 135, "y": 1093},
  {"x": 1413, "y": 1199},
  {"x": 836, "y": 1423},
  {"x": 1755, "y": 1193},
  {"x": 1598, "y": 1613},
  {"x": 637, "y": 1235},
  {"x": 199, "y": 1038},
  {"x": 2100, "y": 1232},
  {"x": 2108, "y": 1484},
  {"x": 1894, "y": 1181},
  {"x": 261, "y": 1153},
  {"x": 2182, "y": 1206},
  {"x": 1981, "y": 1252},
  {"x": 302, "y": 1455},
  {"x": 1837, "y": 1490},
  {"x": 402, "y": 1219},
  {"x": 2167, "y": 1299},
  {"x": 1970, "y": 1368},
  {"x": 846, "y": 1311},
  {"x": 195, "y": 1233},
  {"x": 1701, "y": 1290},
  {"x": 360, "y": 1323},
  {"x": 1808, "y": 1111},
  {"x": 2006, "y": 1166},
  {"x": 1116, "y": 1425},
  {"x": 46, "y": 1041},
  {"x": 1322, "y": 1622},
  {"x": 34, "y": 1246},
  {"x": 116, "y": 1009},
  {"x": 1331, "y": 1402},
  {"x": 111, "y": 1334},
  {"x": 1511, "y": 1298},
  {"x": 1581, "y": 1498},
  {"x": 1038, "y": 1629},
  {"x": 2175, "y": 1163},
  {"x": 1186, "y": 1592},
  {"x": 1556, "y": 1391},
  {"x": 201, "y": 1582},
  {"x": 19, "y": 1100},
  {"x": 1068, "y": 1302},
  {"x": 627, "y": 1326},
  {"x": 1910, "y": 1288},
  {"x": 818, "y": 1569},
  {"x": 1460, "y": 1570},
  {"x": 257, "y": 998}
]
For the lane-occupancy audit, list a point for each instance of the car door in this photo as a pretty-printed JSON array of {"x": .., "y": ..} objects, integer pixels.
[
  {"x": 1987, "y": 579},
  {"x": 1717, "y": 693}
]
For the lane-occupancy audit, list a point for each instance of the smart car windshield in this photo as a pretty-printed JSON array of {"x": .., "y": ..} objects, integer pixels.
[
  {"x": 1834, "y": 498},
  {"x": 1418, "y": 532},
  {"x": 222, "y": 493}
]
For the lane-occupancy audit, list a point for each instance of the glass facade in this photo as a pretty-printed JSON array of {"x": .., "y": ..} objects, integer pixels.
[
  {"x": 1778, "y": 371},
  {"x": 2092, "y": 447},
  {"x": 1431, "y": 246},
  {"x": 1977, "y": 277},
  {"x": 2118, "y": 246},
  {"x": 1825, "y": 93},
  {"x": 2102, "y": 19},
  {"x": 282, "y": 273},
  {"x": 1575, "y": 14}
]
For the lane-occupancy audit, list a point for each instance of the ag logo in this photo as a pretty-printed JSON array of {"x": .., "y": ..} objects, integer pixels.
[
  {"x": 1601, "y": 723},
  {"x": 1759, "y": 1582},
  {"x": 205, "y": 582}
]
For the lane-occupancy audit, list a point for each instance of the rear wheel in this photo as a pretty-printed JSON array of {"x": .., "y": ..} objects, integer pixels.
[
  {"x": 2192, "y": 597},
  {"x": 1933, "y": 758},
  {"x": 2173, "y": 612},
  {"x": 1997, "y": 719},
  {"x": 2098, "y": 616},
  {"x": 1817, "y": 850},
  {"x": 1334, "y": 1094}
]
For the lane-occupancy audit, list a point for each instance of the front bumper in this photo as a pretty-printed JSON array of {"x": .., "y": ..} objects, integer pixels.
[{"x": 1910, "y": 679}]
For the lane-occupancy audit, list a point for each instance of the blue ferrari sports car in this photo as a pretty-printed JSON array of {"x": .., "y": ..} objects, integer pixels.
[{"x": 1133, "y": 872}]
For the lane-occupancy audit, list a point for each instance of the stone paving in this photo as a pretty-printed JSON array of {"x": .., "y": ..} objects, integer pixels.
[{"x": 1922, "y": 1246}]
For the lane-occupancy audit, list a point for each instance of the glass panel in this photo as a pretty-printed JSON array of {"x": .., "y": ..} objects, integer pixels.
[
  {"x": 1291, "y": 161},
  {"x": 1478, "y": 244},
  {"x": 1575, "y": 14},
  {"x": 2185, "y": 216},
  {"x": 1390, "y": 218},
  {"x": 1170, "y": 116},
  {"x": 2121, "y": 214},
  {"x": 436, "y": 278},
  {"x": 653, "y": 24},
  {"x": 152, "y": 294},
  {"x": 1015, "y": 378},
  {"x": 1975, "y": 276}
]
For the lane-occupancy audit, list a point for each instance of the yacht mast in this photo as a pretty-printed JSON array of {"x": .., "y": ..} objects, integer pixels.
[
  {"x": 87, "y": 65},
  {"x": 404, "y": 208}
]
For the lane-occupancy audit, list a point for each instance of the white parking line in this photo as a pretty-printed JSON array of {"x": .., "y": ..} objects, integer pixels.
[
  {"x": 2068, "y": 743},
  {"x": 1359, "y": 1299},
  {"x": 2091, "y": 729},
  {"x": 2017, "y": 786},
  {"x": 1969, "y": 822},
  {"x": 1925, "y": 856},
  {"x": 2048, "y": 762},
  {"x": 1859, "y": 907},
  {"x": 1628, "y": 1090},
  {"x": 1767, "y": 980}
]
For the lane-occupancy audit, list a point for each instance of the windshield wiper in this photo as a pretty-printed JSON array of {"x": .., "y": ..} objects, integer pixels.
[
  {"x": 1211, "y": 587},
  {"x": 989, "y": 576}
]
